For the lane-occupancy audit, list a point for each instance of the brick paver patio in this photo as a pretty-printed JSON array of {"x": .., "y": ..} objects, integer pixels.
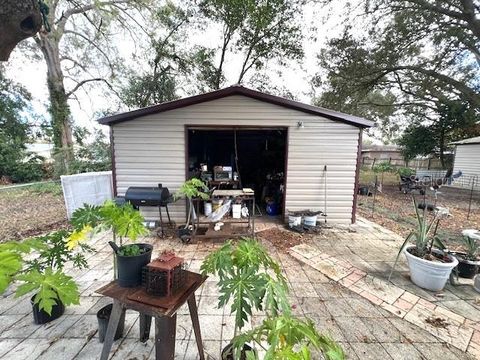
[{"x": 366, "y": 328}]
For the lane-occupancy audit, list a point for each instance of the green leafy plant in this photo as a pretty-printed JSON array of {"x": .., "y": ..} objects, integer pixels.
[
  {"x": 190, "y": 189},
  {"x": 123, "y": 220},
  {"x": 286, "y": 337},
  {"x": 249, "y": 278},
  {"x": 193, "y": 188},
  {"x": 472, "y": 248},
  {"x": 44, "y": 272},
  {"x": 12, "y": 254},
  {"x": 405, "y": 171},
  {"x": 130, "y": 250},
  {"x": 50, "y": 286},
  {"x": 424, "y": 235},
  {"x": 55, "y": 252},
  {"x": 383, "y": 167},
  {"x": 88, "y": 215}
]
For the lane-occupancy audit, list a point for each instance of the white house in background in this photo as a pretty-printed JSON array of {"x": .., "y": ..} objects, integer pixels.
[
  {"x": 316, "y": 150},
  {"x": 467, "y": 159},
  {"x": 41, "y": 149}
]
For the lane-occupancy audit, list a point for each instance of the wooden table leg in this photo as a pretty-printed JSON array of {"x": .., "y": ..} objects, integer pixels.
[
  {"x": 192, "y": 307},
  {"x": 145, "y": 324},
  {"x": 165, "y": 331},
  {"x": 111, "y": 329}
]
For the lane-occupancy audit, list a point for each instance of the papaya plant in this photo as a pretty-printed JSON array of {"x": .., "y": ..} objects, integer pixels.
[
  {"x": 12, "y": 254},
  {"x": 50, "y": 286},
  {"x": 249, "y": 278},
  {"x": 123, "y": 220},
  {"x": 285, "y": 337},
  {"x": 37, "y": 264}
]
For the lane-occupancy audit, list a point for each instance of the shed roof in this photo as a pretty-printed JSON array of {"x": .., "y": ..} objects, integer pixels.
[
  {"x": 473, "y": 140},
  {"x": 237, "y": 90}
]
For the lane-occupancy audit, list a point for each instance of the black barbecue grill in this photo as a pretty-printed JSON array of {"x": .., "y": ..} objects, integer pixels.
[{"x": 150, "y": 196}]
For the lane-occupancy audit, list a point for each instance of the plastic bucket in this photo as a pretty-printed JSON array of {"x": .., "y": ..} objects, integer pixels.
[
  {"x": 207, "y": 208},
  {"x": 310, "y": 220},
  {"x": 236, "y": 211},
  {"x": 272, "y": 208},
  {"x": 294, "y": 220}
]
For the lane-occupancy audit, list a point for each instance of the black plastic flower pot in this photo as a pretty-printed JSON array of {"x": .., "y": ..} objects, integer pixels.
[
  {"x": 103, "y": 316},
  {"x": 467, "y": 269},
  {"x": 228, "y": 353},
  {"x": 42, "y": 317},
  {"x": 130, "y": 267}
]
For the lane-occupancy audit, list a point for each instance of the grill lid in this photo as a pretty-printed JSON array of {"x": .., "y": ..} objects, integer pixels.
[{"x": 147, "y": 196}]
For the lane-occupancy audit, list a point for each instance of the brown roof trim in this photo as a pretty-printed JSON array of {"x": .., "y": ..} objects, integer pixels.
[{"x": 236, "y": 90}]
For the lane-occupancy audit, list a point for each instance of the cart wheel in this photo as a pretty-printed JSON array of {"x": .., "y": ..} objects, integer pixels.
[{"x": 185, "y": 239}]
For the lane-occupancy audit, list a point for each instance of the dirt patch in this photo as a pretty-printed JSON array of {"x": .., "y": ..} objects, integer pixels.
[
  {"x": 394, "y": 210},
  {"x": 283, "y": 239},
  {"x": 437, "y": 322},
  {"x": 25, "y": 213}
]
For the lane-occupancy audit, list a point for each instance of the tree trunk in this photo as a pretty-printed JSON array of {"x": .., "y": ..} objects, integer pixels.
[
  {"x": 19, "y": 19},
  {"x": 59, "y": 109}
]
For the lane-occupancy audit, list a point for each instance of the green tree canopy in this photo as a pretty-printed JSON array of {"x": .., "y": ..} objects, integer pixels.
[{"x": 415, "y": 59}]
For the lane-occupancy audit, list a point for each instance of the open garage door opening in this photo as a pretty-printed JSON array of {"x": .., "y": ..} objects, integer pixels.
[{"x": 230, "y": 158}]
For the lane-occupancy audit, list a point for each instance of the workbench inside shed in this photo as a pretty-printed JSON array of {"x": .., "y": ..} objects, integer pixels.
[{"x": 204, "y": 228}]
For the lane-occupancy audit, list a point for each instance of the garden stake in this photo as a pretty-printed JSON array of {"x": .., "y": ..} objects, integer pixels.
[
  {"x": 325, "y": 198},
  {"x": 374, "y": 195},
  {"x": 470, "y": 200}
]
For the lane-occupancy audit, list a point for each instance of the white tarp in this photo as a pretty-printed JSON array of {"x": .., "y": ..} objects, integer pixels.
[{"x": 88, "y": 188}]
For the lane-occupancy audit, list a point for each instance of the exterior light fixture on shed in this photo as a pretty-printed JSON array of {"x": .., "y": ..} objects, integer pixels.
[{"x": 300, "y": 125}]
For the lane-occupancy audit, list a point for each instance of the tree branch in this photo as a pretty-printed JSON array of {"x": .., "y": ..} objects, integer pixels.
[{"x": 80, "y": 84}]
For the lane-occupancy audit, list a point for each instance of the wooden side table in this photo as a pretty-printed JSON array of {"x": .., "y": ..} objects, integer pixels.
[{"x": 163, "y": 309}]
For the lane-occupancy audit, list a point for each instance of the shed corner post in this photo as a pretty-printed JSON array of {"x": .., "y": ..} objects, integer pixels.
[
  {"x": 357, "y": 176},
  {"x": 112, "y": 154}
]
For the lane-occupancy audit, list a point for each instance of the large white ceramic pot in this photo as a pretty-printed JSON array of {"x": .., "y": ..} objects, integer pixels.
[
  {"x": 430, "y": 275},
  {"x": 476, "y": 283}
]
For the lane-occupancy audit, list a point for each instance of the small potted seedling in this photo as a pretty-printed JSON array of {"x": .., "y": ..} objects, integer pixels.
[{"x": 469, "y": 260}]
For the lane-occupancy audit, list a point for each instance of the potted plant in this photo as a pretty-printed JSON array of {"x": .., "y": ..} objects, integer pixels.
[
  {"x": 286, "y": 337},
  {"x": 429, "y": 267},
  {"x": 468, "y": 261},
  {"x": 250, "y": 279},
  {"x": 43, "y": 274},
  {"x": 190, "y": 189},
  {"x": 124, "y": 222}
]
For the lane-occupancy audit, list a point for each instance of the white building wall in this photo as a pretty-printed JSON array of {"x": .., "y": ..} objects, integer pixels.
[
  {"x": 467, "y": 160},
  {"x": 151, "y": 150}
]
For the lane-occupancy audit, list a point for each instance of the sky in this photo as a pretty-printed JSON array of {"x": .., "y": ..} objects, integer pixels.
[{"x": 295, "y": 77}]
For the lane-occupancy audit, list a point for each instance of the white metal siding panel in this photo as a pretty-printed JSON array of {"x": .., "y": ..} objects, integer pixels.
[
  {"x": 151, "y": 149},
  {"x": 467, "y": 160}
]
